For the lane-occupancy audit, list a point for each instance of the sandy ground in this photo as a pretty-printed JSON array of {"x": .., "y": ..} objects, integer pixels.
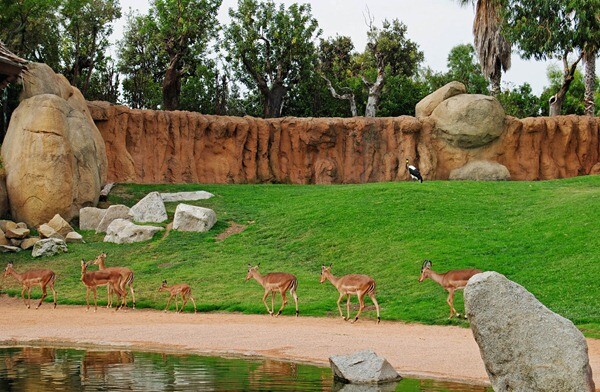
[{"x": 418, "y": 351}]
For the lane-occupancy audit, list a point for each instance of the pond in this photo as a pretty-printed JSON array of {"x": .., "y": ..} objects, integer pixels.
[{"x": 49, "y": 369}]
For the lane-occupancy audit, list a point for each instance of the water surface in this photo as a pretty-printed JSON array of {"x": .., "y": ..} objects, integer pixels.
[{"x": 25, "y": 369}]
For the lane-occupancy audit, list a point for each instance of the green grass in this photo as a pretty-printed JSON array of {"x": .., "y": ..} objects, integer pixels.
[{"x": 542, "y": 235}]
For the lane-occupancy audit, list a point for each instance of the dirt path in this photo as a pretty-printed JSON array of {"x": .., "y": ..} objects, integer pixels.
[{"x": 419, "y": 351}]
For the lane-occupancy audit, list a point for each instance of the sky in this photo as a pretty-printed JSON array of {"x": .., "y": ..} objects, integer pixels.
[{"x": 435, "y": 25}]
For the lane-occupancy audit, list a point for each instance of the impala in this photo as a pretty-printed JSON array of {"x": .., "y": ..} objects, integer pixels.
[
  {"x": 347, "y": 285},
  {"x": 93, "y": 279},
  {"x": 451, "y": 281},
  {"x": 275, "y": 282},
  {"x": 178, "y": 289},
  {"x": 126, "y": 275},
  {"x": 42, "y": 278}
]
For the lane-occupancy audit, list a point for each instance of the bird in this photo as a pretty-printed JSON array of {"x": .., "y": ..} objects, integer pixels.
[{"x": 414, "y": 172}]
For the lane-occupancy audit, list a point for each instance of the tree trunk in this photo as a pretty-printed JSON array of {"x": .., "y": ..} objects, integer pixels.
[
  {"x": 496, "y": 79},
  {"x": 590, "y": 83},
  {"x": 273, "y": 101},
  {"x": 171, "y": 86},
  {"x": 349, "y": 97},
  {"x": 556, "y": 101},
  {"x": 374, "y": 93}
]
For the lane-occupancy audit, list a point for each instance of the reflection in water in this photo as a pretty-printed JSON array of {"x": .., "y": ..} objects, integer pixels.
[{"x": 47, "y": 369}]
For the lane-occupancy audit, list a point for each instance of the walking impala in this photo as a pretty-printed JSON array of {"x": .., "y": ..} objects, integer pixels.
[
  {"x": 347, "y": 285},
  {"x": 178, "y": 289},
  {"x": 126, "y": 275},
  {"x": 451, "y": 281},
  {"x": 93, "y": 279},
  {"x": 273, "y": 282},
  {"x": 41, "y": 277}
]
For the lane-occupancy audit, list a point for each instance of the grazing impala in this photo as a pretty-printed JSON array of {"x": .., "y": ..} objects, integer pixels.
[
  {"x": 42, "y": 278},
  {"x": 359, "y": 285},
  {"x": 451, "y": 281},
  {"x": 273, "y": 282},
  {"x": 93, "y": 279},
  {"x": 126, "y": 275},
  {"x": 178, "y": 289}
]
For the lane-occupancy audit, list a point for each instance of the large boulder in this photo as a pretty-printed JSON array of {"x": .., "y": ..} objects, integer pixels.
[
  {"x": 481, "y": 171},
  {"x": 150, "y": 209},
  {"x": 469, "y": 120},
  {"x": 49, "y": 247},
  {"x": 60, "y": 225},
  {"x": 54, "y": 155},
  {"x": 428, "y": 104},
  {"x": 3, "y": 195},
  {"x": 90, "y": 217},
  {"x": 122, "y": 231},
  {"x": 186, "y": 196},
  {"x": 363, "y": 367},
  {"x": 117, "y": 211},
  {"x": 524, "y": 345},
  {"x": 193, "y": 218}
]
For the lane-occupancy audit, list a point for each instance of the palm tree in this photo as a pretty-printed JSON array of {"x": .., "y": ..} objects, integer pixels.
[
  {"x": 589, "y": 59},
  {"x": 493, "y": 50}
]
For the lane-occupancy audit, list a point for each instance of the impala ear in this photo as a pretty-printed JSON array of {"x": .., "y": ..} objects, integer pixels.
[
  {"x": 426, "y": 264},
  {"x": 330, "y": 265},
  {"x": 164, "y": 282}
]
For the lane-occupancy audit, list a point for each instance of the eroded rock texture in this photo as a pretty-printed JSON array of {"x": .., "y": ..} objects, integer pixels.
[{"x": 146, "y": 146}]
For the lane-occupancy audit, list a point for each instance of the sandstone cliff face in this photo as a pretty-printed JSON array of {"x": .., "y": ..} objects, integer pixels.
[{"x": 146, "y": 146}]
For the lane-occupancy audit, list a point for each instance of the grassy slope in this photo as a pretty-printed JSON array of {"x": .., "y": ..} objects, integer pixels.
[{"x": 543, "y": 235}]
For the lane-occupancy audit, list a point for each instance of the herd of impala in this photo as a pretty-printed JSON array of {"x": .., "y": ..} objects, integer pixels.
[{"x": 118, "y": 279}]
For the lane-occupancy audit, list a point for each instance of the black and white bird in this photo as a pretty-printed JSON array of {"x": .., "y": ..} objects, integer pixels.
[{"x": 414, "y": 172}]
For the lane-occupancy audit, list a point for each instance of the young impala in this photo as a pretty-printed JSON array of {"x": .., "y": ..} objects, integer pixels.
[
  {"x": 275, "y": 282},
  {"x": 178, "y": 289},
  {"x": 93, "y": 279},
  {"x": 41, "y": 277},
  {"x": 451, "y": 281},
  {"x": 347, "y": 285},
  {"x": 126, "y": 275}
]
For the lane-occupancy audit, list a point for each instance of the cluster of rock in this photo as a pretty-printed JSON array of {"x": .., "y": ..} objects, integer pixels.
[
  {"x": 363, "y": 367},
  {"x": 524, "y": 345},
  {"x": 53, "y": 237},
  {"x": 117, "y": 221}
]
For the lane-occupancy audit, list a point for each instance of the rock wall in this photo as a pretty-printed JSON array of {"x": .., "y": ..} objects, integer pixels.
[{"x": 146, "y": 146}]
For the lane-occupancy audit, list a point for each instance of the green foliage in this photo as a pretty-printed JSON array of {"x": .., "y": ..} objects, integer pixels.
[
  {"x": 401, "y": 95},
  {"x": 520, "y": 102},
  {"x": 573, "y": 103},
  {"x": 542, "y": 235}
]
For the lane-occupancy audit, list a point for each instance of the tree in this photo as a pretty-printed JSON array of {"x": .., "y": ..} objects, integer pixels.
[
  {"x": 86, "y": 26},
  {"x": 271, "y": 48},
  {"x": 493, "y": 50},
  {"x": 544, "y": 29},
  {"x": 520, "y": 102},
  {"x": 335, "y": 63},
  {"x": 183, "y": 28},
  {"x": 573, "y": 102}
]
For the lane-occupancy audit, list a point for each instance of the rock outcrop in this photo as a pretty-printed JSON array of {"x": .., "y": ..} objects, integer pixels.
[
  {"x": 54, "y": 156},
  {"x": 150, "y": 209},
  {"x": 481, "y": 171},
  {"x": 427, "y": 105},
  {"x": 48, "y": 247},
  {"x": 146, "y": 146},
  {"x": 524, "y": 345},
  {"x": 3, "y": 194},
  {"x": 122, "y": 231},
  {"x": 193, "y": 218},
  {"x": 363, "y": 367}
]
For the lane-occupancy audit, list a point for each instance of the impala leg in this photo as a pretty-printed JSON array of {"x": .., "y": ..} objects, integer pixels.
[
  {"x": 168, "y": 303},
  {"x": 95, "y": 299},
  {"x": 272, "y": 302},
  {"x": 450, "y": 301},
  {"x": 132, "y": 294},
  {"x": 265, "y": 302},
  {"x": 376, "y": 306},
  {"x": 44, "y": 295},
  {"x": 184, "y": 300},
  {"x": 109, "y": 297},
  {"x": 194, "y": 302},
  {"x": 29, "y": 297},
  {"x": 53, "y": 294},
  {"x": 123, "y": 289},
  {"x": 348, "y": 307},
  {"x": 339, "y": 307},
  {"x": 283, "y": 302},
  {"x": 87, "y": 298},
  {"x": 23, "y": 296},
  {"x": 295, "y": 296},
  {"x": 361, "y": 302},
  {"x": 176, "y": 303}
]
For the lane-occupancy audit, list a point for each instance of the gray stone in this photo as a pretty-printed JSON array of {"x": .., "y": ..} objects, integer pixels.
[
  {"x": 48, "y": 247},
  {"x": 192, "y": 218},
  {"x": 427, "y": 105},
  {"x": 481, "y": 171},
  {"x": 469, "y": 120},
  {"x": 28, "y": 243},
  {"x": 524, "y": 345},
  {"x": 74, "y": 237},
  {"x": 363, "y": 367},
  {"x": 9, "y": 249},
  {"x": 118, "y": 211},
  {"x": 16, "y": 242},
  {"x": 186, "y": 196},
  {"x": 90, "y": 218},
  {"x": 16, "y": 233},
  {"x": 60, "y": 225},
  {"x": 122, "y": 231},
  {"x": 150, "y": 209}
]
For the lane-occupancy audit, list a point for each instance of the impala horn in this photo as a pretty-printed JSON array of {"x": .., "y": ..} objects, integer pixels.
[{"x": 426, "y": 264}]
